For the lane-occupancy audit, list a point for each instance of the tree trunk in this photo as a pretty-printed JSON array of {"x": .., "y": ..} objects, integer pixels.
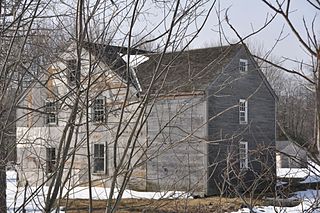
[
  {"x": 3, "y": 183},
  {"x": 317, "y": 132},
  {"x": 3, "y": 179}
]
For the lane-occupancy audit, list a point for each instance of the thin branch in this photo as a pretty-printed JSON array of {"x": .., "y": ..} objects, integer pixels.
[{"x": 285, "y": 69}]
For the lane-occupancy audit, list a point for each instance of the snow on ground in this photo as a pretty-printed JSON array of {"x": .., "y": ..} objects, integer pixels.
[
  {"x": 310, "y": 198},
  {"x": 306, "y": 175},
  {"x": 301, "y": 173},
  {"x": 101, "y": 193},
  {"x": 314, "y": 173},
  {"x": 310, "y": 204},
  {"x": 309, "y": 175},
  {"x": 16, "y": 197},
  {"x": 35, "y": 197}
]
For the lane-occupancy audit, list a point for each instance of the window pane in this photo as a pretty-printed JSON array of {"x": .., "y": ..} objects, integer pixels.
[
  {"x": 50, "y": 159},
  {"x": 98, "y": 165},
  {"x": 96, "y": 150},
  {"x": 99, "y": 110},
  {"x": 243, "y": 155},
  {"x": 243, "y": 65},
  {"x": 98, "y": 158},
  {"x": 243, "y": 115},
  {"x": 72, "y": 71},
  {"x": 101, "y": 150},
  {"x": 51, "y": 110}
]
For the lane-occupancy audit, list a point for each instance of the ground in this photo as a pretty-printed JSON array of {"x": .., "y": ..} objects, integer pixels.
[
  {"x": 306, "y": 200},
  {"x": 214, "y": 204}
]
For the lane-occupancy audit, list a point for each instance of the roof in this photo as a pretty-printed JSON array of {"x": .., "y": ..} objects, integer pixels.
[
  {"x": 187, "y": 71},
  {"x": 183, "y": 71},
  {"x": 289, "y": 148},
  {"x": 112, "y": 56}
]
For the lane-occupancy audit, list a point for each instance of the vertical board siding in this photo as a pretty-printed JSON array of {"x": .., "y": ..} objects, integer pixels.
[{"x": 176, "y": 136}]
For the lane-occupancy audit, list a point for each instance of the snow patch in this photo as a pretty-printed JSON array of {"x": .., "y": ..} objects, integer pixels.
[
  {"x": 135, "y": 60},
  {"x": 34, "y": 197},
  {"x": 292, "y": 173}
]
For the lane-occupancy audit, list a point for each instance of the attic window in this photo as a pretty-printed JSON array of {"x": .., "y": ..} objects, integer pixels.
[
  {"x": 73, "y": 75},
  {"x": 243, "y": 65},
  {"x": 99, "y": 110},
  {"x": 51, "y": 112},
  {"x": 26, "y": 80}
]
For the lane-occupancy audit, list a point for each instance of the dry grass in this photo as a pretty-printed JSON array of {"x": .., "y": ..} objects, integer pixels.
[{"x": 202, "y": 205}]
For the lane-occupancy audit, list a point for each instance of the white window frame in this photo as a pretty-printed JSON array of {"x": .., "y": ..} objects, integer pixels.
[
  {"x": 243, "y": 111},
  {"x": 98, "y": 112},
  {"x": 26, "y": 80},
  {"x": 102, "y": 157},
  {"x": 243, "y": 65},
  {"x": 51, "y": 110},
  {"x": 72, "y": 74},
  {"x": 243, "y": 155},
  {"x": 51, "y": 159}
]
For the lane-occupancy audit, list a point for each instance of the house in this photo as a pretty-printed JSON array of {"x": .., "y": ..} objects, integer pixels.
[
  {"x": 290, "y": 155},
  {"x": 199, "y": 120}
]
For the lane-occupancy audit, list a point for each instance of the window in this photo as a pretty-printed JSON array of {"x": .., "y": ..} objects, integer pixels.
[
  {"x": 243, "y": 111},
  {"x": 99, "y": 110},
  {"x": 243, "y": 155},
  {"x": 51, "y": 112},
  {"x": 50, "y": 159},
  {"x": 99, "y": 158},
  {"x": 26, "y": 80},
  {"x": 73, "y": 76},
  {"x": 243, "y": 65}
]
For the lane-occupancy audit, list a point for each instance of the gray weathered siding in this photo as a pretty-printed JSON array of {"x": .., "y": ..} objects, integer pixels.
[
  {"x": 176, "y": 136},
  {"x": 225, "y": 132}
]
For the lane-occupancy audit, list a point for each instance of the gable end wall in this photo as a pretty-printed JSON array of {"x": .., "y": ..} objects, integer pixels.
[{"x": 225, "y": 132}]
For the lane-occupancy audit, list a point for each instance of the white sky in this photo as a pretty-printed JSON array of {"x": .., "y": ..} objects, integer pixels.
[
  {"x": 243, "y": 15},
  {"x": 246, "y": 14}
]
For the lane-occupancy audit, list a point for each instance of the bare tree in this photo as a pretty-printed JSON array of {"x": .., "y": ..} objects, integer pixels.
[
  {"x": 298, "y": 94},
  {"x": 309, "y": 42},
  {"x": 75, "y": 80},
  {"x": 21, "y": 56},
  {"x": 83, "y": 82}
]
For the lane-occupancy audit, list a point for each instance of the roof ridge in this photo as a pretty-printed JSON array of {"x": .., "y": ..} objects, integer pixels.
[
  {"x": 116, "y": 48},
  {"x": 214, "y": 47},
  {"x": 223, "y": 47}
]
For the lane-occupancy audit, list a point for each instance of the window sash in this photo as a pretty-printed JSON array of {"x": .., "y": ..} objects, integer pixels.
[
  {"x": 99, "y": 158},
  {"x": 50, "y": 159},
  {"x": 51, "y": 112},
  {"x": 26, "y": 81},
  {"x": 243, "y": 65},
  {"x": 72, "y": 74},
  {"x": 99, "y": 110},
  {"x": 243, "y": 111},
  {"x": 243, "y": 155}
]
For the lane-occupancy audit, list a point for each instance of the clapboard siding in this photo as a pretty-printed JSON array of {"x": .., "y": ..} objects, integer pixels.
[
  {"x": 226, "y": 130},
  {"x": 34, "y": 134}
]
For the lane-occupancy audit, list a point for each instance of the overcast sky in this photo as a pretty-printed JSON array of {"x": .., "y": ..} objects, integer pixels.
[
  {"x": 247, "y": 14},
  {"x": 244, "y": 15}
]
